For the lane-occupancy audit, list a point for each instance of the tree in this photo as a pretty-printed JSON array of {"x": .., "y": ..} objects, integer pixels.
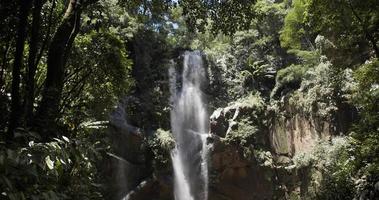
[
  {"x": 32, "y": 60},
  {"x": 296, "y": 32},
  {"x": 17, "y": 65},
  {"x": 346, "y": 21},
  {"x": 8, "y": 29},
  {"x": 225, "y": 16},
  {"x": 58, "y": 53},
  {"x": 352, "y": 27},
  {"x": 97, "y": 75}
]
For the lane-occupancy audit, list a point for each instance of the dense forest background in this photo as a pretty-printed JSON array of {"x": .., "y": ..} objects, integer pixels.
[{"x": 67, "y": 64}]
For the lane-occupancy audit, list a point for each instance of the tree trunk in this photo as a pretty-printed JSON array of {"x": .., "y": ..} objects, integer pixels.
[
  {"x": 32, "y": 61},
  {"x": 15, "y": 114},
  {"x": 48, "y": 110},
  {"x": 46, "y": 41},
  {"x": 4, "y": 65}
]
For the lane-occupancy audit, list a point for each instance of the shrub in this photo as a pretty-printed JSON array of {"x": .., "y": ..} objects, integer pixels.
[
  {"x": 288, "y": 78},
  {"x": 61, "y": 169},
  {"x": 248, "y": 128},
  {"x": 161, "y": 144}
]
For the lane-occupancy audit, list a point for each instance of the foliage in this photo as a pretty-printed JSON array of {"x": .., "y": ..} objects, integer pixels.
[
  {"x": 295, "y": 33},
  {"x": 243, "y": 134},
  {"x": 321, "y": 55},
  {"x": 334, "y": 160},
  {"x": 254, "y": 101},
  {"x": 161, "y": 144},
  {"x": 367, "y": 93},
  {"x": 355, "y": 21},
  {"x": 365, "y": 131},
  {"x": 247, "y": 129},
  {"x": 248, "y": 60},
  {"x": 351, "y": 26},
  {"x": 288, "y": 78},
  {"x": 226, "y": 16},
  {"x": 324, "y": 153},
  {"x": 316, "y": 90},
  {"x": 264, "y": 158},
  {"x": 353, "y": 169},
  {"x": 61, "y": 169},
  {"x": 99, "y": 66},
  {"x": 342, "y": 176},
  {"x": 319, "y": 84}
]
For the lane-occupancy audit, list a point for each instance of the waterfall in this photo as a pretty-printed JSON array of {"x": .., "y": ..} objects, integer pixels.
[{"x": 189, "y": 123}]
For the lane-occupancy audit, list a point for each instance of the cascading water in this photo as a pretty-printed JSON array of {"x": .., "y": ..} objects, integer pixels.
[{"x": 189, "y": 122}]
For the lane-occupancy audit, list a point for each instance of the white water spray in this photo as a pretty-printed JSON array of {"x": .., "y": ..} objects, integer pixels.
[{"x": 189, "y": 122}]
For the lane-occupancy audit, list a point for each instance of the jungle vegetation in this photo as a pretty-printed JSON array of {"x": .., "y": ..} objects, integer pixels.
[{"x": 65, "y": 64}]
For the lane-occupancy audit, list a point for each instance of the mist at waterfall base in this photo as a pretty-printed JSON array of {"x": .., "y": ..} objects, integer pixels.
[{"x": 189, "y": 124}]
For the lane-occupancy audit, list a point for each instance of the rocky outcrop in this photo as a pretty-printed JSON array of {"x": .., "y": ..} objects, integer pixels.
[
  {"x": 269, "y": 171},
  {"x": 241, "y": 166},
  {"x": 139, "y": 167},
  {"x": 129, "y": 163},
  {"x": 152, "y": 189},
  {"x": 296, "y": 133},
  {"x": 243, "y": 118},
  {"x": 233, "y": 177}
]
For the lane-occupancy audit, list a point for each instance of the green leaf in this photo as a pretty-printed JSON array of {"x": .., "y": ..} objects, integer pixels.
[
  {"x": 65, "y": 139},
  {"x": 49, "y": 163}
]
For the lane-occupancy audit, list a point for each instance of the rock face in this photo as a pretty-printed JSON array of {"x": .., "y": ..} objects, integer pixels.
[
  {"x": 233, "y": 177},
  {"x": 298, "y": 133},
  {"x": 128, "y": 165},
  {"x": 132, "y": 169},
  {"x": 268, "y": 172},
  {"x": 236, "y": 174}
]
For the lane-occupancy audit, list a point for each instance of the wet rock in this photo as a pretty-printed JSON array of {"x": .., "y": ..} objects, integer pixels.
[
  {"x": 151, "y": 189},
  {"x": 130, "y": 162}
]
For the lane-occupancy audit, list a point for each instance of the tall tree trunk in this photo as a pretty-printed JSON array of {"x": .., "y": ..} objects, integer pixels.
[
  {"x": 4, "y": 64},
  {"x": 32, "y": 61},
  {"x": 17, "y": 64},
  {"x": 48, "y": 110},
  {"x": 46, "y": 41}
]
